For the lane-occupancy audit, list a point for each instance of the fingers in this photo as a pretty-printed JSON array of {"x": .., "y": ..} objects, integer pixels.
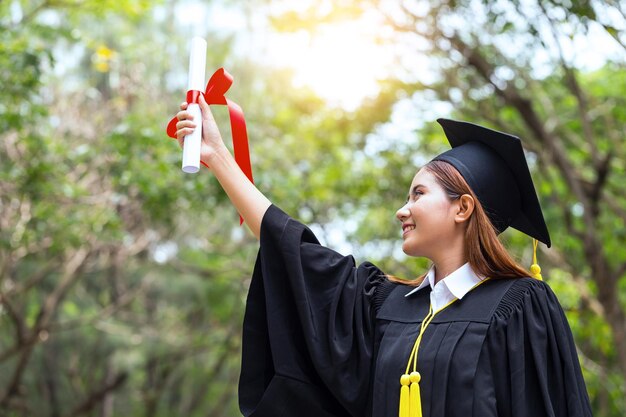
[
  {"x": 184, "y": 115},
  {"x": 184, "y": 105},
  {"x": 184, "y": 127},
  {"x": 181, "y": 133},
  {"x": 185, "y": 123},
  {"x": 204, "y": 107}
]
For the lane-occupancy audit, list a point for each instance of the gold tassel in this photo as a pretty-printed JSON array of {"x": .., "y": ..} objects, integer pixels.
[
  {"x": 415, "y": 399},
  {"x": 410, "y": 397},
  {"x": 535, "y": 269},
  {"x": 404, "y": 395}
]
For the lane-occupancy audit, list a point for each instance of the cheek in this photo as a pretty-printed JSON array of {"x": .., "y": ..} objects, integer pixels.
[
  {"x": 429, "y": 212},
  {"x": 441, "y": 202},
  {"x": 428, "y": 207}
]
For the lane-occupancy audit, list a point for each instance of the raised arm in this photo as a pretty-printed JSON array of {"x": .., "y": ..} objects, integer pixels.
[{"x": 246, "y": 198}]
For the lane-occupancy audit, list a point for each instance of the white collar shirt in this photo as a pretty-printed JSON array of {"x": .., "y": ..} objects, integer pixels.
[{"x": 455, "y": 285}]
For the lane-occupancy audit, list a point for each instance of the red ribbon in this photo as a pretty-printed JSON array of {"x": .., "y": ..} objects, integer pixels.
[
  {"x": 217, "y": 86},
  {"x": 192, "y": 97}
]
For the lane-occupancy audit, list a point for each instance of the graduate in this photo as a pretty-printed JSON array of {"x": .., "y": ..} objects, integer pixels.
[{"x": 476, "y": 335}]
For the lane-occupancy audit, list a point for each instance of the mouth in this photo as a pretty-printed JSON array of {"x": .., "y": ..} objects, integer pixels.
[{"x": 407, "y": 228}]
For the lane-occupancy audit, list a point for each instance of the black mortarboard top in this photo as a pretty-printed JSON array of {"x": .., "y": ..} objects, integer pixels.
[{"x": 494, "y": 166}]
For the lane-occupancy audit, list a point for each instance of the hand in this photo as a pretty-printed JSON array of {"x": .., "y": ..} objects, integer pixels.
[{"x": 212, "y": 141}]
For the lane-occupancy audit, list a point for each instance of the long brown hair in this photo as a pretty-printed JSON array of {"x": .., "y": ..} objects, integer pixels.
[{"x": 483, "y": 250}]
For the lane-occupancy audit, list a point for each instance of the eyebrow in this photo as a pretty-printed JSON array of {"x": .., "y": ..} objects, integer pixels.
[{"x": 415, "y": 187}]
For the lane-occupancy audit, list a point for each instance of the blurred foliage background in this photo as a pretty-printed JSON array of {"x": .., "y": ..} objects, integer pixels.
[{"x": 123, "y": 281}]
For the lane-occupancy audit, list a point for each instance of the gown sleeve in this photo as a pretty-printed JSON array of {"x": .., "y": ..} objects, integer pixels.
[
  {"x": 528, "y": 365},
  {"x": 308, "y": 331}
]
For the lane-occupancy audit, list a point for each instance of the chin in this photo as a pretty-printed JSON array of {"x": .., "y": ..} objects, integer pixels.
[{"x": 411, "y": 250}]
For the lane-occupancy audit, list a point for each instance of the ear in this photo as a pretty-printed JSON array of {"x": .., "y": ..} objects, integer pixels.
[{"x": 464, "y": 208}]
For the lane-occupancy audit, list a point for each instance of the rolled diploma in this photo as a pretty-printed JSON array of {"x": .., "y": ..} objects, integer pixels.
[{"x": 192, "y": 142}]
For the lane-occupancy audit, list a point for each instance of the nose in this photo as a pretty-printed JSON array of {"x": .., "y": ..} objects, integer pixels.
[{"x": 403, "y": 213}]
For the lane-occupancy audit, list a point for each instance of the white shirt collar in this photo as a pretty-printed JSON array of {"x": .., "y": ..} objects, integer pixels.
[{"x": 458, "y": 283}]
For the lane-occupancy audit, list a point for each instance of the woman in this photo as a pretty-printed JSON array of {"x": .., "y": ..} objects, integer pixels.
[{"x": 475, "y": 336}]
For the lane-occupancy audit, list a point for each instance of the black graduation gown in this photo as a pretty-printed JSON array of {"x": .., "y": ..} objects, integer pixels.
[{"x": 324, "y": 337}]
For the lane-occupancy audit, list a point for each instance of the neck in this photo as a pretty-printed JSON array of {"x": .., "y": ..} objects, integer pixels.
[
  {"x": 449, "y": 256},
  {"x": 447, "y": 264}
]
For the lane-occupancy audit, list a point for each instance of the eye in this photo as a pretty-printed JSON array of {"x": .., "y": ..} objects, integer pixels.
[{"x": 415, "y": 194}]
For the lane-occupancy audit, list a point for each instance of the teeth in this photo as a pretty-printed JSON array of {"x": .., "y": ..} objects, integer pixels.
[{"x": 408, "y": 228}]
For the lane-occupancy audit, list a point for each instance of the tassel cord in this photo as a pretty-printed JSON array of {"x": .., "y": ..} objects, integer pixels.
[
  {"x": 410, "y": 397},
  {"x": 535, "y": 269}
]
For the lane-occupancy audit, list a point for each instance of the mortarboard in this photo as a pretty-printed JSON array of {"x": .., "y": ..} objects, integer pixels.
[{"x": 494, "y": 166}]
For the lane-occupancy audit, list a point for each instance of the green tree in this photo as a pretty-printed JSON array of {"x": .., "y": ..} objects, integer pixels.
[{"x": 91, "y": 208}]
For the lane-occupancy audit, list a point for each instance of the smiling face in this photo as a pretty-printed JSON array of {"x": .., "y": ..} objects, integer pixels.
[{"x": 428, "y": 217}]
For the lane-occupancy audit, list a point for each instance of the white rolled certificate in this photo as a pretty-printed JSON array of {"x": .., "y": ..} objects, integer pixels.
[{"x": 192, "y": 143}]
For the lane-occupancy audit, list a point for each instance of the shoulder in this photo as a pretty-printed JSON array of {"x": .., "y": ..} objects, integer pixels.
[
  {"x": 373, "y": 277},
  {"x": 521, "y": 294},
  {"x": 377, "y": 285}
]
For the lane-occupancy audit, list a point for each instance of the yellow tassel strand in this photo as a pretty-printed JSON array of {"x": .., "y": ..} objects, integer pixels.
[
  {"x": 415, "y": 399},
  {"x": 404, "y": 395},
  {"x": 535, "y": 269},
  {"x": 410, "y": 397}
]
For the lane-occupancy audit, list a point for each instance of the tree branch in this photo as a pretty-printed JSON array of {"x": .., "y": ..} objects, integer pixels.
[
  {"x": 574, "y": 87},
  {"x": 586, "y": 295},
  {"x": 47, "y": 311},
  {"x": 97, "y": 396},
  {"x": 20, "y": 327},
  {"x": 106, "y": 312},
  {"x": 35, "y": 278}
]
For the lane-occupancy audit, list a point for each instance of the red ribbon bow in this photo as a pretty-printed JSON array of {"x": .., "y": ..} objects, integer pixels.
[{"x": 217, "y": 86}]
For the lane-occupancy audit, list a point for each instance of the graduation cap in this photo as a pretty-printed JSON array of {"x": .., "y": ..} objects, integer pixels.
[{"x": 494, "y": 166}]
